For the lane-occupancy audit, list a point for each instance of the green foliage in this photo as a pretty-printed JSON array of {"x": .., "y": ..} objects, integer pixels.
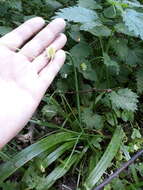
[
  {"x": 104, "y": 162},
  {"x": 78, "y": 14},
  {"x": 92, "y": 120},
  {"x": 99, "y": 88},
  {"x": 124, "y": 99},
  {"x": 139, "y": 78},
  {"x": 133, "y": 20}
]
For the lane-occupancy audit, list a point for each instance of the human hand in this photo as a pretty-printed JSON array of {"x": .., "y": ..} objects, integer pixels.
[{"x": 25, "y": 75}]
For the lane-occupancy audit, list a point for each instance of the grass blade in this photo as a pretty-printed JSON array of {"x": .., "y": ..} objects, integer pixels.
[
  {"x": 106, "y": 159},
  {"x": 58, "y": 172},
  {"x": 32, "y": 151},
  {"x": 57, "y": 153}
]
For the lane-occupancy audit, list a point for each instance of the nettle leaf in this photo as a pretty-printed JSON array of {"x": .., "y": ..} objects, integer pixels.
[
  {"x": 100, "y": 30},
  {"x": 135, "y": 56},
  {"x": 77, "y": 14},
  {"x": 122, "y": 28},
  {"x": 134, "y": 4},
  {"x": 75, "y": 33},
  {"x": 136, "y": 134},
  {"x": 139, "y": 78},
  {"x": 92, "y": 120},
  {"x": 111, "y": 63},
  {"x": 90, "y": 4},
  {"x": 90, "y": 25},
  {"x": 131, "y": 56},
  {"x": 15, "y": 4},
  {"x": 110, "y": 12},
  {"x": 134, "y": 21},
  {"x": 124, "y": 99},
  {"x": 120, "y": 47},
  {"x": 81, "y": 50}
]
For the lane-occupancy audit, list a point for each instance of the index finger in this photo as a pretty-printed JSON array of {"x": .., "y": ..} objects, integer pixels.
[{"x": 20, "y": 35}]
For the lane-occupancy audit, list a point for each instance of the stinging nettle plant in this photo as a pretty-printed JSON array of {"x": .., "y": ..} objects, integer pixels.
[{"x": 90, "y": 118}]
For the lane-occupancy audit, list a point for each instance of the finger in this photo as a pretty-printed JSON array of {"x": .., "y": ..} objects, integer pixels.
[
  {"x": 20, "y": 35},
  {"x": 41, "y": 61},
  {"x": 43, "y": 39},
  {"x": 47, "y": 75}
]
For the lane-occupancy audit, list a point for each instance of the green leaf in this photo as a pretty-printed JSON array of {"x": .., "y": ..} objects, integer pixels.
[
  {"x": 120, "y": 47},
  {"x": 110, "y": 12},
  {"x": 134, "y": 3},
  {"x": 86, "y": 69},
  {"x": 106, "y": 159},
  {"x": 15, "y": 4},
  {"x": 77, "y": 14},
  {"x": 57, "y": 153},
  {"x": 90, "y": 25},
  {"x": 57, "y": 173},
  {"x": 53, "y": 4},
  {"x": 134, "y": 21},
  {"x": 124, "y": 99},
  {"x": 100, "y": 31},
  {"x": 8, "y": 186},
  {"x": 31, "y": 152},
  {"x": 111, "y": 63},
  {"x": 122, "y": 28},
  {"x": 136, "y": 134},
  {"x": 139, "y": 78},
  {"x": 92, "y": 120},
  {"x": 90, "y": 4},
  {"x": 81, "y": 50},
  {"x": 49, "y": 111},
  {"x": 127, "y": 116},
  {"x": 32, "y": 179}
]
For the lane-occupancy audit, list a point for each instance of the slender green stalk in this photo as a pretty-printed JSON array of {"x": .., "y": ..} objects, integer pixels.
[
  {"x": 107, "y": 73},
  {"x": 76, "y": 87}
]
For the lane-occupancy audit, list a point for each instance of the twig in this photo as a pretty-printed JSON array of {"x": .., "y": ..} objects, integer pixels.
[
  {"x": 118, "y": 171},
  {"x": 87, "y": 91}
]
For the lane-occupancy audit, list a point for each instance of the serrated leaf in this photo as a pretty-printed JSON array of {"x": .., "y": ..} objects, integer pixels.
[
  {"x": 134, "y": 4},
  {"x": 136, "y": 134},
  {"x": 139, "y": 78},
  {"x": 77, "y": 14},
  {"x": 124, "y": 99},
  {"x": 134, "y": 21},
  {"x": 15, "y": 4},
  {"x": 105, "y": 161},
  {"x": 92, "y": 120},
  {"x": 90, "y": 4},
  {"x": 122, "y": 28},
  {"x": 111, "y": 63}
]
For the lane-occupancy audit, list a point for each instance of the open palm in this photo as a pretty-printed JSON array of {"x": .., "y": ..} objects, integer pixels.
[{"x": 26, "y": 74}]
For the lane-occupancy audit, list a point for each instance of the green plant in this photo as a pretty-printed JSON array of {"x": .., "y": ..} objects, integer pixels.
[{"x": 92, "y": 119}]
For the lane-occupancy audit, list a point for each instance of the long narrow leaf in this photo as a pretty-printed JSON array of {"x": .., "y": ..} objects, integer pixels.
[
  {"x": 57, "y": 153},
  {"x": 106, "y": 159},
  {"x": 58, "y": 172},
  {"x": 32, "y": 151}
]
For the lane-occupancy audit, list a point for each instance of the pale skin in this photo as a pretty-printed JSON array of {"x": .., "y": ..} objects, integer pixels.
[{"x": 25, "y": 75}]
